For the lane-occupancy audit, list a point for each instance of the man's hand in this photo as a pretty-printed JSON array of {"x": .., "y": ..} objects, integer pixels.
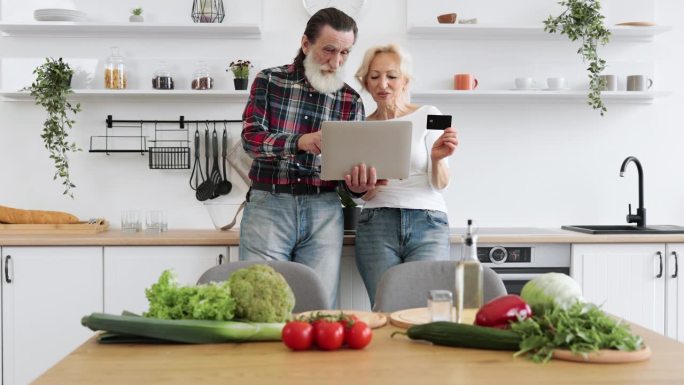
[
  {"x": 363, "y": 179},
  {"x": 310, "y": 143}
]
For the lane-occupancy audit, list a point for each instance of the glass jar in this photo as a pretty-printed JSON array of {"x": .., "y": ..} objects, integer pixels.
[
  {"x": 115, "y": 76},
  {"x": 162, "y": 79},
  {"x": 201, "y": 80}
]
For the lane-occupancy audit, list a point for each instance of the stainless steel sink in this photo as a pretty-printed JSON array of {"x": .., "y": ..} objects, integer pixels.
[{"x": 625, "y": 229}]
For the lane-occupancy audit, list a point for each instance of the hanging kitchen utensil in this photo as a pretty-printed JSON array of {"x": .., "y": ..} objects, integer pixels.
[
  {"x": 224, "y": 187},
  {"x": 197, "y": 166},
  {"x": 206, "y": 189},
  {"x": 215, "y": 171}
]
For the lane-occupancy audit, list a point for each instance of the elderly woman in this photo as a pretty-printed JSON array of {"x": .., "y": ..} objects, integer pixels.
[{"x": 404, "y": 220}]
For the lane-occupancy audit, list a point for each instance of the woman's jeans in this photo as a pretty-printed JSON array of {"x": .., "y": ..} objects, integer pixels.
[
  {"x": 386, "y": 237},
  {"x": 302, "y": 228}
]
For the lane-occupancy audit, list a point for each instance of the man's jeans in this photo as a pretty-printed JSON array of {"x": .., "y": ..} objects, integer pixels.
[
  {"x": 386, "y": 237},
  {"x": 302, "y": 228}
]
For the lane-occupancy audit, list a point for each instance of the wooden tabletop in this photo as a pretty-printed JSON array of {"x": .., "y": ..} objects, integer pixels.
[{"x": 386, "y": 360}]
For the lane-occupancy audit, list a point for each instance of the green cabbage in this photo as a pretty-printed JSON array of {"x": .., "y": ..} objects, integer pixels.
[{"x": 552, "y": 289}]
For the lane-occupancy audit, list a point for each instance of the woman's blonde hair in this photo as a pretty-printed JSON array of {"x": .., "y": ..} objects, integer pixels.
[{"x": 404, "y": 63}]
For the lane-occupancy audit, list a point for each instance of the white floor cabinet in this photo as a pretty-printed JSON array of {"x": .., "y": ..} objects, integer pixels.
[
  {"x": 636, "y": 281},
  {"x": 45, "y": 293},
  {"x": 129, "y": 270}
]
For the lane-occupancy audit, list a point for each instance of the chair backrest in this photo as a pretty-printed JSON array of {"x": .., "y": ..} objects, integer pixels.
[
  {"x": 307, "y": 287},
  {"x": 406, "y": 286}
]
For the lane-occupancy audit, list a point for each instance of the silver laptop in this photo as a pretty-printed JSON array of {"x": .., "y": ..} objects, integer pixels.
[{"x": 385, "y": 145}]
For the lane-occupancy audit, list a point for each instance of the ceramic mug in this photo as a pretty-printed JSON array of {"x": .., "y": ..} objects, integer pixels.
[
  {"x": 465, "y": 82},
  {"x": 638, "y": 83},
  {"x": 555, "y": 83},
  {"x": 610, "y": 82},
  {"x": 524, "y": 83}
]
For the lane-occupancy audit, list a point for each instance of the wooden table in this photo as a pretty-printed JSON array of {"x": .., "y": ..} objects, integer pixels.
[{"x": 386, "y": 361}]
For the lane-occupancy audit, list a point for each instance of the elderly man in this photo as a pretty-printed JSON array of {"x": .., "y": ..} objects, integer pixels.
[{"x": 291, "y": 214}]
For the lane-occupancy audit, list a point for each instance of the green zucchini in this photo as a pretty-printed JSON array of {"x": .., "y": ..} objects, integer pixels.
[
  {"x": 187, "y": 331},
  {"x": 466, "y": 336}
]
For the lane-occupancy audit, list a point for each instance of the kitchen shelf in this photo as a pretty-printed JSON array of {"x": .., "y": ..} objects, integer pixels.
[
  {"x": 536, "y": 96},
  {"x": 190, "y": 30},
  {"x": 102, "y": 95},
  {"x": 516, "y": 32}
]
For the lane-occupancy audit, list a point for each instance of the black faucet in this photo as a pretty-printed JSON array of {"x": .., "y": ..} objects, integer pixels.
[{"x": 640, "y": 217}]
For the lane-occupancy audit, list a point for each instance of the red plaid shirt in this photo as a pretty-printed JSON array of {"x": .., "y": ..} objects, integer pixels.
[{"x": 283, "y": 106}]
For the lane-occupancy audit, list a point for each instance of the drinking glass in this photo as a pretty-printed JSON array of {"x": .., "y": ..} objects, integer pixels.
[
  {"x": 155, "y": 221},
  {"x": 440, "y": 304},
  {"x": 131, "y": 221}
]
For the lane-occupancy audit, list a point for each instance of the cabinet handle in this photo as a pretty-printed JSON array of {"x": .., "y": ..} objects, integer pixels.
[
  {"x": 676, "y": 272},
  {"x": 8, "y": 260},
  {"x": 660, "y": 256},
  {"x": 220, "y": 259}
]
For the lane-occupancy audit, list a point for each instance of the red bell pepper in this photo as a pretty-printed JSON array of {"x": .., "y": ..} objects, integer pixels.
[{"x": 501, "y": 311}]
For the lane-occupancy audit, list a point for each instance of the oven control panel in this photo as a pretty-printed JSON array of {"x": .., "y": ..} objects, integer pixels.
[{"x": 502, "y": 254}]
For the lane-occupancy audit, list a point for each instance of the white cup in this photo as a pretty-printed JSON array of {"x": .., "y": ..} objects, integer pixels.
[
  {"x": 555, "y": 83},
  {"x": 524, "y": 83},
  {"x": 611, "y": 82},
  {"x": 638, "y": 83}
]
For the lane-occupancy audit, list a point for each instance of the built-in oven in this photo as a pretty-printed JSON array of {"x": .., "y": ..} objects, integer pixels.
[{"x": 516, "y": 264}]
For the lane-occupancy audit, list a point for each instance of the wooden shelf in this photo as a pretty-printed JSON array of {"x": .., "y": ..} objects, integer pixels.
[
  {"x": 516, "y": 32},
  {"x": 190, "y": 30},
  {"x": 540, "y": 96},
  {"x": 84, "y": 95}
]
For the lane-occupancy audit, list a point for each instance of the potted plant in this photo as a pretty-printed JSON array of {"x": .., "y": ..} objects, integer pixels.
[
  {"x": 582, "y": 19},
  {"x": 240, "y": 69},
  {"x": 136, "y": 15},
  {"x": 350, "y": 209},
  {"x": 51, "y": 90}
]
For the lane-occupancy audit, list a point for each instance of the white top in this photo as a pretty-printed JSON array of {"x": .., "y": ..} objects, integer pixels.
[{"x": 417, "y": 191}]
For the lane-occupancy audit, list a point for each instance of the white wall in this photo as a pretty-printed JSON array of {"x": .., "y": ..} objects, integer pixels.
[{"x": 517, "y": 164}]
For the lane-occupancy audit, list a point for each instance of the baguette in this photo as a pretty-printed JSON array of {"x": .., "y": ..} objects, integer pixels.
[{"x": 18, "y": 216}]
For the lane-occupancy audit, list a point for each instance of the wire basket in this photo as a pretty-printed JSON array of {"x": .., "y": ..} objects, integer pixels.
[{"x": 168, "y": 158}]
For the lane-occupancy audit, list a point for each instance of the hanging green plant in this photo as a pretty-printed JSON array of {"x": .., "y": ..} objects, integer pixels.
[
  {"x": 582, "y": 19},
  {"x": 51, "y": 90}
]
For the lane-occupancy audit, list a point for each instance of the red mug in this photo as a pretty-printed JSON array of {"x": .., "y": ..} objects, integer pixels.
[{"x": 465, "y": 82}]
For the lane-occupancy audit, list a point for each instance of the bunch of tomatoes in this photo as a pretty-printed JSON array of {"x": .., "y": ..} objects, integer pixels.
[{"x": 327, "y": 332}]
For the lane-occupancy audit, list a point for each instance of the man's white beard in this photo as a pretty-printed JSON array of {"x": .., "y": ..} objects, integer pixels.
[{"x": 322, "y": 82}]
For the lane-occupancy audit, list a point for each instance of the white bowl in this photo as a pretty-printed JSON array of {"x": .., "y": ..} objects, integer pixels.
[{"x": 222, "y": 213}]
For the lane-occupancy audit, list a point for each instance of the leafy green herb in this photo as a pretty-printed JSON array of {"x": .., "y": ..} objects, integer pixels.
[
  {"x": 51, "y": 90},
  {"x": 583, "y": 328},
  {"x": 169, "y": 300},
  {"x": 582, "y": 19}
]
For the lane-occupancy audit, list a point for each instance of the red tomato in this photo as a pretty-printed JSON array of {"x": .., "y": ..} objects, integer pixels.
[
  {"x": 359, "y": 335},
  {"x": 298, "y": 335},
  {"x": 328, "y": 335}
]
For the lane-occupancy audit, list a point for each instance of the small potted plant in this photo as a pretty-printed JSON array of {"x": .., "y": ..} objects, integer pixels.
[
  {"x": 240, "y": 69},
  {"x": 136, "y": 15},
  {"x": 51, "y": 90},
  {"x": 350, "y": 210}
]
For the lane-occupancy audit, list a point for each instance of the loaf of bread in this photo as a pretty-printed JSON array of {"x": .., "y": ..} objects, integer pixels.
[{"x": 18, "y": 216}]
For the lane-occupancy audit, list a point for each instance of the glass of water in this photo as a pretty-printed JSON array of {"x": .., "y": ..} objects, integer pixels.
[{"x": 440, "y": 305}]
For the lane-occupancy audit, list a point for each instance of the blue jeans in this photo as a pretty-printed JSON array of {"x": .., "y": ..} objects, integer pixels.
[
  {"x": 302, "y": 228},
  {"x": 386, "y": 237}
]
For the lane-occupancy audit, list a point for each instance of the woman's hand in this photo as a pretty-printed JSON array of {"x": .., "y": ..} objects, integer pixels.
[{"x": 445, "y": 145}]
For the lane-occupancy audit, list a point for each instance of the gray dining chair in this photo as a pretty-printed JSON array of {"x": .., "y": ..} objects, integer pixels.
[
  {"x": 406, "y": 286},
  {"x": 307, "y": 287}
]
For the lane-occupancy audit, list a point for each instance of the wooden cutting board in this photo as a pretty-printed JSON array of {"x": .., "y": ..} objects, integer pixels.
[
  {"x": 604, "y": 356},
  {"x": 374, "y": 320},
  {"x": 98, "y": 226},
  {"x": 421, "y": 315}
]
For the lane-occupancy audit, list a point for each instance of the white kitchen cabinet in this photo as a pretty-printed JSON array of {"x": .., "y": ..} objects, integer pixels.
[
  {"x": 635, "y": 281},
  {"x": 45, "y": 293},
  {"x": 129, "y": 270}
]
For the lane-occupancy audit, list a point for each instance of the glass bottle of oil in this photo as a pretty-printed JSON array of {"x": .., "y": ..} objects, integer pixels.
[{"x": 469, "y": 281}]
